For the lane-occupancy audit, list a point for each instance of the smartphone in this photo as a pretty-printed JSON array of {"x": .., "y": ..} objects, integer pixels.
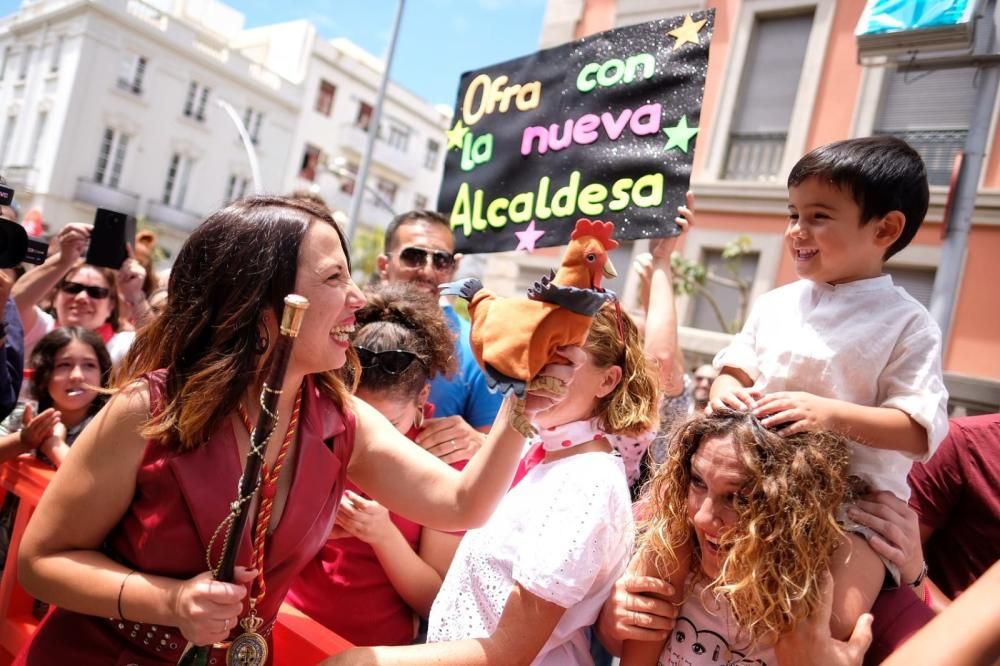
[
  {"x": 112, "y": 230},
  {"x": 6, "y": 195}
]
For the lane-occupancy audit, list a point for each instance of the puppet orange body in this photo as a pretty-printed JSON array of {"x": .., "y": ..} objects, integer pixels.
[{"x": 514, "y": 338}]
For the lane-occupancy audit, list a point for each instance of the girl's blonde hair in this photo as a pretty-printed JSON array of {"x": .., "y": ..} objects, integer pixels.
[
  {"x": 632, "y": 407},
  {"x": 785, "y": 532}
]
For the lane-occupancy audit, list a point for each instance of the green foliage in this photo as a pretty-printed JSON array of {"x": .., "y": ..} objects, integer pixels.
[
  {"x": 365, "y": 249},
  {"x": 692, "y": 278}
]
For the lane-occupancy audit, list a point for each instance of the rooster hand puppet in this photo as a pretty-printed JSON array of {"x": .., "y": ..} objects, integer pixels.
[{"x": 514, "y": 338}]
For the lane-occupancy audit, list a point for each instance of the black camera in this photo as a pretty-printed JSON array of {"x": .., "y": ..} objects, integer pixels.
[
  {"x": 15, "y": 246},
  {"x": 112, "y": 230}
]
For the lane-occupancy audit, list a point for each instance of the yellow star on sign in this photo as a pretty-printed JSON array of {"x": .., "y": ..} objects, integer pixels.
[
  {"x": 687, "y": 33},
  {"x": 456, "y": 135}
]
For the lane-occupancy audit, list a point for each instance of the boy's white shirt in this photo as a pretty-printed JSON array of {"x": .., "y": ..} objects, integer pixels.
[
  {"x": 866, "y": 342},
  {"x": 564, "y": 533}
]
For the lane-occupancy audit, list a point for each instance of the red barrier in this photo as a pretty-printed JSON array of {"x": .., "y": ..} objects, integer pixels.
[{"x": 298, "y": 640}]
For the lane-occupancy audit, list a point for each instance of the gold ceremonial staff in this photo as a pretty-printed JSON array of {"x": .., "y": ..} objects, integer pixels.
[{"x": 250, "y": 482}]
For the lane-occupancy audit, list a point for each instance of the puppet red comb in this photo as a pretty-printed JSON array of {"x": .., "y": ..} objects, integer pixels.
[{"x": 600, "y": 230}]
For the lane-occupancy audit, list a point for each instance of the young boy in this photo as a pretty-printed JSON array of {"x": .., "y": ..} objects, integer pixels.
[{"x": 843, "y": 349}]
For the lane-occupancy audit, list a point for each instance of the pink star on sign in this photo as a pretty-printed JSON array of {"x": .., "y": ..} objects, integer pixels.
[{"x": 526, "y": 239}]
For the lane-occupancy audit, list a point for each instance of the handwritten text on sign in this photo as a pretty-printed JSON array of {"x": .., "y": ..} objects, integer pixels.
[{"x": 603, "y": 127}]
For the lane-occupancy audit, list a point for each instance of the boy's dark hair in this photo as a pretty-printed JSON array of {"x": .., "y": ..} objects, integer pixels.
[
  {"x": 418, "y": 215},
  {"x": 883, "y": 174}
]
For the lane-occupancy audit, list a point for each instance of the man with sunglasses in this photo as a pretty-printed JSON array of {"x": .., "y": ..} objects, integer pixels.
[{"x": 420, "y": 249}]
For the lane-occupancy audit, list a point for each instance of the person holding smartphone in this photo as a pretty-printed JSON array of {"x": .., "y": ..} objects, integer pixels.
[{"x": 86, "y": 296}]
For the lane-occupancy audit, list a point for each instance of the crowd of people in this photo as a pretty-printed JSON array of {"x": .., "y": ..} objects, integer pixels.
[{"x": 803, "y": 499}]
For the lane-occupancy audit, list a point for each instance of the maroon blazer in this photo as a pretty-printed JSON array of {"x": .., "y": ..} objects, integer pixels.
[{"x": 180, "y": 499}]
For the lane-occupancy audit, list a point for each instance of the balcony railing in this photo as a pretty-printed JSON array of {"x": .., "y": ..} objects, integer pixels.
[
  {"x": 173, "y": 217},
  {"x": 937, "y": 147},
  {"x": 754, "y": 156},
  {"x": 21, "y": 177},
  {"x": 102, "y": 196}
]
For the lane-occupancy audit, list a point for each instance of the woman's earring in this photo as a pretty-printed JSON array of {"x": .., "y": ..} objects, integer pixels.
[
  {"x": 418, "y": 422},
  {"x": 263, "y": 340}
]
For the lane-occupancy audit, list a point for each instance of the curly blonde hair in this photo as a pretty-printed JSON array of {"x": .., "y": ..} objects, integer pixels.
[
  {"x": 632, "y": 407},
  {"x": 785, "y": 532}
]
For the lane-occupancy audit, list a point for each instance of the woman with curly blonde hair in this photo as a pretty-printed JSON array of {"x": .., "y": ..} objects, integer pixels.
[
  {"x": 526, "y": 587},
  {"x": 752, "y": 516}
]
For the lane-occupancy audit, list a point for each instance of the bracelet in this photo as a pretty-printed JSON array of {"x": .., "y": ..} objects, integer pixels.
[
  {"x": 920, "y": 578},
  {"x": 121, "y": 589}
]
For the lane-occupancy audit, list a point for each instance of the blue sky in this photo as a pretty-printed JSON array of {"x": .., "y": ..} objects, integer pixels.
[{"x": 438, "y": 40}]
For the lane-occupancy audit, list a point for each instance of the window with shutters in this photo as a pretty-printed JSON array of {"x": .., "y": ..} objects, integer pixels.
[
  {"x": 347, "y": 181},
  {"x": 364, "y": 117},
  {"x": 111, "y": 157},
  {"x": 768, "y": 87},
  {"x": 252, "y": 119},
  {"x": 178, "y": 177},
  {"x": 324, "y": 97},
  {"x": 918, "y": 281},
  {"x": 309, "y": 163},
  {"x": 432, "y": 154},
  {"x": 22, "y": 72},
  {"x": 196, "y": 101},
  {"x": 930, "y": 111},
  {"x": 57, "y": 48},
  {"x": 236, "y": 188},
  {"x": 131, "y": 73}
]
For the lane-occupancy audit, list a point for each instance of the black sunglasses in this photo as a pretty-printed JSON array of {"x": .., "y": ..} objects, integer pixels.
[
  {"x": 74, "y": 288},
  {"x": 391, "y": 361},
  {"x": 416, "y": 257}
]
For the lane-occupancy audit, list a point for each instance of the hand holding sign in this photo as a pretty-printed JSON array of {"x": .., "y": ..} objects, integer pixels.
[{"x": 604, "y": 126}]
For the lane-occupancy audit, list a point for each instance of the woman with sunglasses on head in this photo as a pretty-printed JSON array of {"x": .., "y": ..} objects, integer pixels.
[
  {"x": 380, "y": 571},
  {"x": 85, "y": 296},
  {"x": 122, "y": 541}
]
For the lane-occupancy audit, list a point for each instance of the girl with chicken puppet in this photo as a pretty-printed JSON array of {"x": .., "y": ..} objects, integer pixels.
[{"x": 526, "y": 586}]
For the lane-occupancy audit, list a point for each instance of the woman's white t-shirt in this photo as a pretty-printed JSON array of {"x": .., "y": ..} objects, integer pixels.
[
  {"x": 564, "y": 534},
  {"x": 705, "y": 634}
]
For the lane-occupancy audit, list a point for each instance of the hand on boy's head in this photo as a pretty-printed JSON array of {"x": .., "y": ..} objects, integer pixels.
[
  {"x": 740, "y": 400},
  {"x": 792, "y": 412}
]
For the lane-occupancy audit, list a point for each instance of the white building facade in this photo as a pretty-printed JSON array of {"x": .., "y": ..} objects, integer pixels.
[
  {"x": 117, "y": 104},
  {"x": 340, "y": 82}
]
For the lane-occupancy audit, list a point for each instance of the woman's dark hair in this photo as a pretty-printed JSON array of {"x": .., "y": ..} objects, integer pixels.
[
  {"x": 109, "y": 276},
  {"x": 43, "y": 360},
  {"x": 400, "y": 316},
  {"x": 240, "y": 263}
]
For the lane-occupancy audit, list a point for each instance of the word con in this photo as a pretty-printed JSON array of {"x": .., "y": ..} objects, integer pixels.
[
  {"x": 614, "y": 71},
  {"x": 644, "y": 121},
  {"x": 471, "y": 212},
  {"x": 485, "y": 95}
]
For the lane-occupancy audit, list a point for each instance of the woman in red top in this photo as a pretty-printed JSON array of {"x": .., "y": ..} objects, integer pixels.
[
  {"x": 124, "y": 536},
  {"x": 379, "y": 571}
]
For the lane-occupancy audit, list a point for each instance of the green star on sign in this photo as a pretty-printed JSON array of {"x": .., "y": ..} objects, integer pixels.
[{"x": 680, "y": 135}]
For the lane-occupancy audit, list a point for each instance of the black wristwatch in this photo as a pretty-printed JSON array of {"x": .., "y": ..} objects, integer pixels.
[{"x": 920, "y": 578}]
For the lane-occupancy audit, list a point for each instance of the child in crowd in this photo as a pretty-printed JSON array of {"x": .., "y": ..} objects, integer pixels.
[
  {"x": 71, "y": 365},
  {"x": 380, "y": 571},
  {"x": 843, "y": 349}
]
